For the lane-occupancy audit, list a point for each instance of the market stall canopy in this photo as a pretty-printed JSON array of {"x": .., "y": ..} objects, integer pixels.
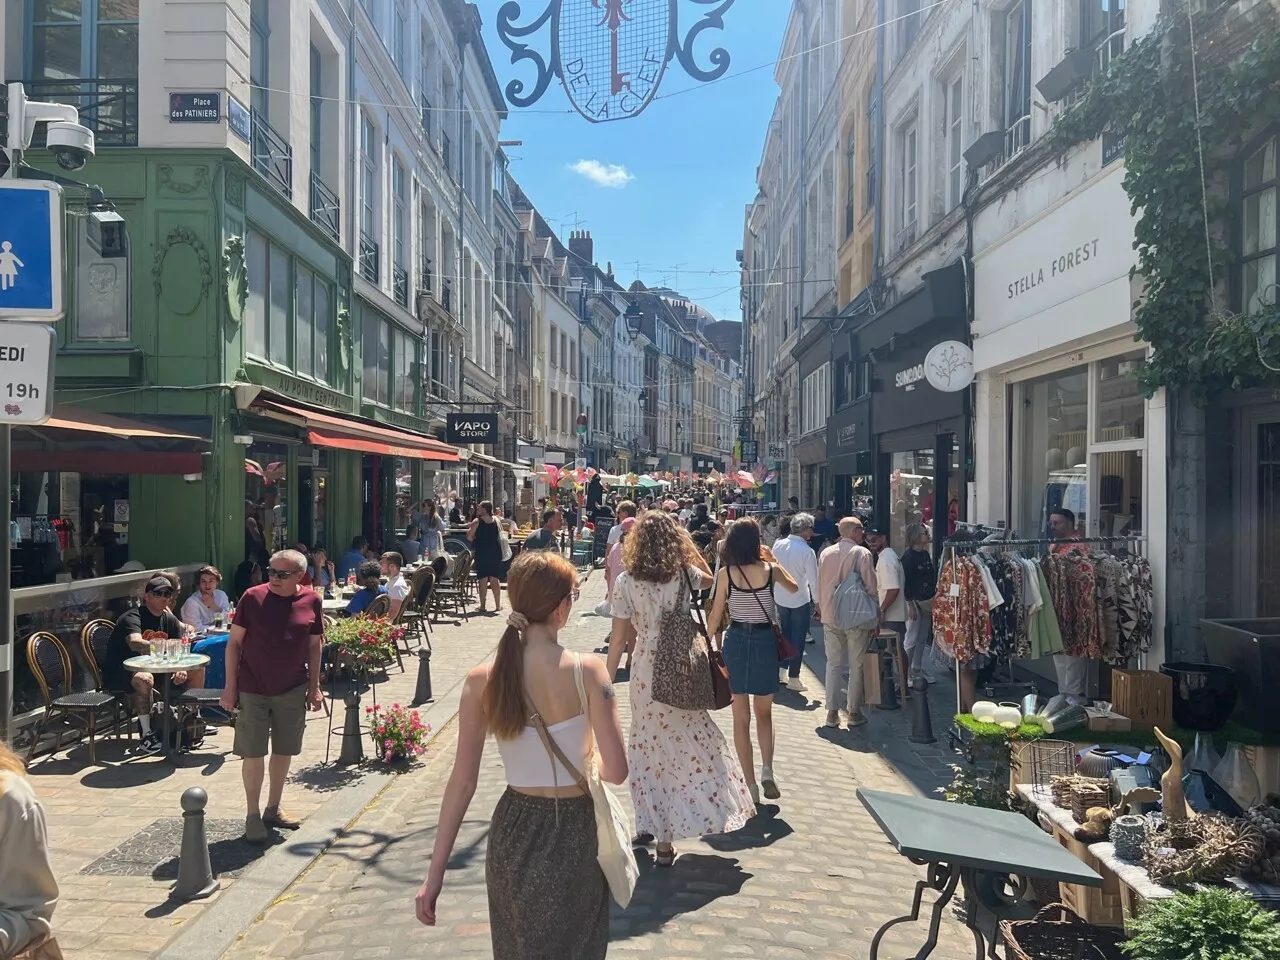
[
  {"x": 649, "y": 483},
  {"x": 86, "y": 441},
  {"x": 354, "y": 433}
]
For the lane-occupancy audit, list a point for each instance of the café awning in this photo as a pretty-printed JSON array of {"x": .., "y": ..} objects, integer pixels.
[
  {"x": 75, "y": 440},
  {"x": 354, "y": 433}
]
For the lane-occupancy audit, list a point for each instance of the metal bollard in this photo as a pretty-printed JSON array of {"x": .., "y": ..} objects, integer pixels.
[
  {"x": 921, "y": 723},
  {"x": 195, "y": 873},
  {"x": 352, "y": 736},
  {"x": 888, "y": 695},
  {"x": 422, "y": 693}
]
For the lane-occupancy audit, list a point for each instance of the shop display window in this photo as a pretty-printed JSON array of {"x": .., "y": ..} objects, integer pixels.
[
  {"x": 1080, "y": 439},
  {"x": 266, "y": 492}
]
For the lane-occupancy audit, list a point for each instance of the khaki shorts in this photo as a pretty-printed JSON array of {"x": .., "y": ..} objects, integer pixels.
[{"x": 281, "y": 719}]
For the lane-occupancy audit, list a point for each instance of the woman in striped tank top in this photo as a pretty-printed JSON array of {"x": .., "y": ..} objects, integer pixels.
[{"x": 744, "y": 587}]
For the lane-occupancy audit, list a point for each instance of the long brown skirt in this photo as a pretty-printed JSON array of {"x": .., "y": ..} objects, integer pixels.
[{"x": 548, "y": 899}]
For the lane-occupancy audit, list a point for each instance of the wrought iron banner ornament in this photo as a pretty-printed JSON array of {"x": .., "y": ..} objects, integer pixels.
[{"x": 610, "y": 55}]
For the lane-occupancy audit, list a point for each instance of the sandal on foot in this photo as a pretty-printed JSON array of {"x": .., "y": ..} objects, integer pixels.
[{"x": 665, "y": 860}]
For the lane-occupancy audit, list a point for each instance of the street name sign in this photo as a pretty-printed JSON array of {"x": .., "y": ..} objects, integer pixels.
[
  {"x": 26, "y": 372},
  {"x": 195, "y": 107},
  {"x": 31, "y": 251}
]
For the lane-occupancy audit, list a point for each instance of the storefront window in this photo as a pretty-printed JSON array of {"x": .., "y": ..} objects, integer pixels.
[
  {"x": 1121, "y": 409},
  {"x": 265, "y": 501},
  {"x": 313, "y": 488},
  {"x": 1054, "y": 429},
  {"x": 68, "y": 524},
  {"x": 1120, "y": 493},
  {"x": 377, "y": 360},
  {"x": 404, "y": 383}
]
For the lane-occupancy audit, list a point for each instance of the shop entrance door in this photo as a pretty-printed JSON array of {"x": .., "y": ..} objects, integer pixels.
[
  {"x": 313, "y": 488},
  {"x": 371, "y": 509},
  {"x": 1258, "y": 514}
]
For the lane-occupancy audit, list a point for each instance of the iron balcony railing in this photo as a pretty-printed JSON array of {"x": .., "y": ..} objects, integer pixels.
[
  {"x": 446, "y": 153},
  {"x": 324, "y": 207},
  {"x": 426, "y": 118},
  {"x": 446, "y": 297},
  {"x": 369, "y": 258},
  {"x": 272, "y": 155},
  {"x": 400, "y": 284},
  {"x": 107, "y": 107}
]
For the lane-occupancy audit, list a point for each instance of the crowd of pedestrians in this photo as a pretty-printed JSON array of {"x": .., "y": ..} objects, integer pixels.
[{"x": 553, "y": 859}]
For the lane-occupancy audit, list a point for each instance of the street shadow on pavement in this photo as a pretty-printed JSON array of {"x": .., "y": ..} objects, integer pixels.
[
  {"x": 327, "y": 777},
  {"x": 762, "y": 830},
  {"x": 664, "y": 893},
  {"x": 118, "y": 767}
]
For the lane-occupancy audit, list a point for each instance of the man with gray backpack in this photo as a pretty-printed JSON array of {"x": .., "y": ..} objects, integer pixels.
[{"x": 850, "y": 615}]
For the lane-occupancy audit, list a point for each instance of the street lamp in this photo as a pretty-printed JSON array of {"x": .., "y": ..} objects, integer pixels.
[{"x": 634, "y": 317}]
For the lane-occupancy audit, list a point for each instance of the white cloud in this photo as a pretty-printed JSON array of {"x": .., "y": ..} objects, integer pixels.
[{"x": 613, "y": 175}]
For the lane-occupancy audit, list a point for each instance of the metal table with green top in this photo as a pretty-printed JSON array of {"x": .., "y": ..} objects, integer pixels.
[{"x": 993, "y": 853}]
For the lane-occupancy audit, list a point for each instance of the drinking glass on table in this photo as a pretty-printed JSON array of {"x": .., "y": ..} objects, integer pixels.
[{"x": 153, "y": 649}]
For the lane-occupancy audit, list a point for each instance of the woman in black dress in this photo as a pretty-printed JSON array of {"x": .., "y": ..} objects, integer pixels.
[{"x": 483, "y": 534}]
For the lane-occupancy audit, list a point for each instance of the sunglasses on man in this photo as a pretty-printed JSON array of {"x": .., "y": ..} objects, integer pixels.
[{"x": 277, "y": 574}]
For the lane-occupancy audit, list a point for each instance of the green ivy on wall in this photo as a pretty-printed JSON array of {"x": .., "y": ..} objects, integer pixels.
[{"x": 1149, "y": 94}]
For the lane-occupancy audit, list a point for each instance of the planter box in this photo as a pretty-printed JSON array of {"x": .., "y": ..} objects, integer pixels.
[{"x": 1252, "y": 649}]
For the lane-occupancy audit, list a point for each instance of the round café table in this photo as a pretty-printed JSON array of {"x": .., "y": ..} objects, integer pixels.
[{"x": 166, "y": 669}]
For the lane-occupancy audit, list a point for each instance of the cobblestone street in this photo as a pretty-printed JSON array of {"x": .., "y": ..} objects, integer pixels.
[{"x": 811, "y": 877}]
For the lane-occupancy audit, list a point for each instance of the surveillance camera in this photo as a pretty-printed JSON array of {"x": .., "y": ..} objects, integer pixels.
[{"x": 70, "y": 143}]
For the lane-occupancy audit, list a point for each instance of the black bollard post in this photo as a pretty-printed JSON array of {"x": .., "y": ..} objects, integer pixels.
[
  {"x": 195, "y": 874},
  {"x": 888, "y": 695},
  {"x": 921, "y": 723},
  {"x": 422, "y": 693},
  {"x": 352, "y": 736}
]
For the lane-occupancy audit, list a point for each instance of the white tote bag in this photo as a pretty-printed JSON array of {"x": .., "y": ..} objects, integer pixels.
[{"x": 613, "y": 840}]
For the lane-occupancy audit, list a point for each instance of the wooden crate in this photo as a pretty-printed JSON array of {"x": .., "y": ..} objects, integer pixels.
[
  {"x": 1100, "y": 905},
  {"x": 1144, "y": 696}
]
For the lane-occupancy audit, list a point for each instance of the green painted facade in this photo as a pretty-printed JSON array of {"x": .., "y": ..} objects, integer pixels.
[{"x": 187, "y": 214}]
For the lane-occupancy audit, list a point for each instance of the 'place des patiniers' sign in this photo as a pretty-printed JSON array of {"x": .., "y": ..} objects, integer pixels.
[{"x": 610, "y": 55}]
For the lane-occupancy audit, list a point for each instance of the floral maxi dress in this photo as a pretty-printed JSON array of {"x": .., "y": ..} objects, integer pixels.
[{"x": 685, "y": 780}]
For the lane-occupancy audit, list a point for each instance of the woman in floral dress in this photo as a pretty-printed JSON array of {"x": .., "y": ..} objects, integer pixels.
[{"x": 685, "y": 780}]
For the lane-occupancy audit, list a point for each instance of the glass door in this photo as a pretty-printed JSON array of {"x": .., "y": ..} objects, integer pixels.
[{"x": 1258, "y": 513}]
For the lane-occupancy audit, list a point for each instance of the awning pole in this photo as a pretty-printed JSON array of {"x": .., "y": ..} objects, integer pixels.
[{"x": 6, "y": 595}]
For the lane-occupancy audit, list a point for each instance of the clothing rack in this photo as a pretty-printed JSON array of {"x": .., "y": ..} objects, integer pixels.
[{"x": 951, "y": 547}]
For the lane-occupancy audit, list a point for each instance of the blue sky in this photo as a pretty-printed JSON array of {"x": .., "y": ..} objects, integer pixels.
[{"x": 688, "y": 162}]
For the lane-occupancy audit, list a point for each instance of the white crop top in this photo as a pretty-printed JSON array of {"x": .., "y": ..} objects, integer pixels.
[{"x": 529, "y": 764}]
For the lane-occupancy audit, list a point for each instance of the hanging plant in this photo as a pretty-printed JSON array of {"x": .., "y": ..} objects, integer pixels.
[{"x": 1153, "y": 94}]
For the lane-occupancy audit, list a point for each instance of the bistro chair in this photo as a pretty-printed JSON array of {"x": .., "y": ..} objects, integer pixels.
[
  {"x": 95, "y": 637},
  {"x": 453, "y": 595},
  {"x": 416, "y": 607},
  {"x": 50, "y": 664}
]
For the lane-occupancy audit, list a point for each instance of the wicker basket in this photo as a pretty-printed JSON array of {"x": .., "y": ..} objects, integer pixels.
[
  {"x": 1056, "y": 933},
  {"x": 1087, "y": 795}
]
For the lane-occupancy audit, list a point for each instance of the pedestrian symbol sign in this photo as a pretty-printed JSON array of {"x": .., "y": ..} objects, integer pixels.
[{"x": 31, "y": 250}]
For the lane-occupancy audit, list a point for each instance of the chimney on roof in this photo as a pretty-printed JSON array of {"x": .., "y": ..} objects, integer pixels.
[{"x": 582, "y": 246}]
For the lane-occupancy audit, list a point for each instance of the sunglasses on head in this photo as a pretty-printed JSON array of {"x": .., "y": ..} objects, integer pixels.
[{"x": 277, "y": 574}]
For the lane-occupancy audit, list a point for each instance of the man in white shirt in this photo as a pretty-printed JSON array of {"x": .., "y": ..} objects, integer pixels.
[
  {"x": 625, "y": 509},
  {"x": 893, "y": 605},
  {"x": 397, "y": 586},
  {"x": 795, "y": 609}
]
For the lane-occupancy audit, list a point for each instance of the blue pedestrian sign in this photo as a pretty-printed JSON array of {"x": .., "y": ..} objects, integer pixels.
[{"x": 31, "y": 250}]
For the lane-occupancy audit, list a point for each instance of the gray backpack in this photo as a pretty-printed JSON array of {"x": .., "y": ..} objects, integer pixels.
[{"x": 856, "y": 608}]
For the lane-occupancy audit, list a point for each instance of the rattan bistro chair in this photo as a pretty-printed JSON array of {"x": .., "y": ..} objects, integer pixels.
[
  {"x": 413, "y": 612},
  {"x": 95, "y": 637},
  {"x": 50, "y": 664},
  {"x": 454, "y": 594}
]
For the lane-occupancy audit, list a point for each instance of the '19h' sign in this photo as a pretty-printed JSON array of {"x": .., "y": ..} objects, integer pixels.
[{"x": 472, "y": 428}]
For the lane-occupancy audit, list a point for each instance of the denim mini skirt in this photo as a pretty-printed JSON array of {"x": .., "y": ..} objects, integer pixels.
[{"x": 751, "y": 654}]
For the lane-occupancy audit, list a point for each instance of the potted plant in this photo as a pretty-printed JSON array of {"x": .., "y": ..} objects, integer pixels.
[
  {"x": 363, "y": 643},
  {"x": 398, "y": 733},
  {"x": 1212, "y": 923}
]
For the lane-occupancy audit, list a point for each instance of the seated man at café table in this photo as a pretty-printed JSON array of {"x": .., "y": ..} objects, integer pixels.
[
  {"x": 545, "y": 537},
  {"x": 369, "y": 578},
  {"x": 131, "y": 638},
  {"x": 273, "y": 676},
  {"x": 411, "y": 545},
  {"x": 208, "y": 603},
  {"x": 397, "y": 585},
  {"x": 350, "y": 561}
]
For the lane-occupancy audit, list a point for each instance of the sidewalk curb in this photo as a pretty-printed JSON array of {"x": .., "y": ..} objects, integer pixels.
[{"x": 216, "y": 929}]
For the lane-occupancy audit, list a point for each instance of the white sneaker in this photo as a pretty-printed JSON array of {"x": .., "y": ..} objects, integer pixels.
[
  {"x": 795, "y": 685},
  {"x": 782, "y": 675}
]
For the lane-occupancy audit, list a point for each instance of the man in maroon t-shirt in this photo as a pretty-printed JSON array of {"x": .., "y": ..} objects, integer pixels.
[{"x": 273, "y": 674}]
